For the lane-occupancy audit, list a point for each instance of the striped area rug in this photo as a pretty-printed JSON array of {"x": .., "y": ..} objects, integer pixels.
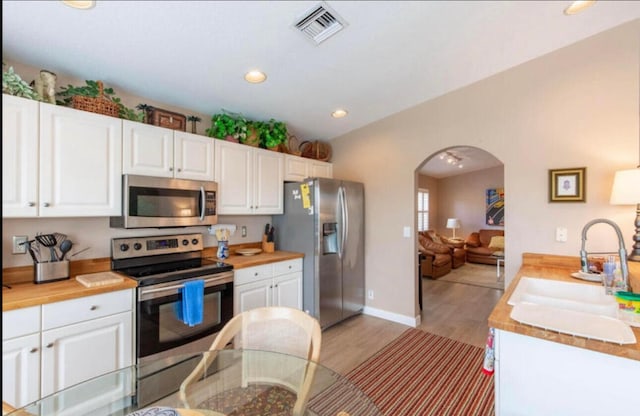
[{"x": 417, "y": 374}]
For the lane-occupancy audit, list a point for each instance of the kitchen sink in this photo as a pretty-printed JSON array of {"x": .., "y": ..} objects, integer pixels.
[{"x": 573, "y": 308}]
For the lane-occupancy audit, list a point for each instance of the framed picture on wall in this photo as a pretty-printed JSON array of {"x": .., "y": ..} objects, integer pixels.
[
  {"x": 567, "y": 185},
  {"x": 495, "y": 206}
]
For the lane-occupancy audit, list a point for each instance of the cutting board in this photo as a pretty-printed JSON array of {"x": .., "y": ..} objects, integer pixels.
[{"x": 99, "y": 279}]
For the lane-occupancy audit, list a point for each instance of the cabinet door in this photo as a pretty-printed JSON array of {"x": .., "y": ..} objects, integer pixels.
[
  {"x": 19, "y": 157},
  {"x": 268, "y": 182},
  {"x": 318, "y": 169},
  {"x": 296, "y": 168},
  {"x": 287, "y": 290},
  {"x": 80, "y": 163},
  {"x": 193, "y": 156},
  {"x": 147, "y": 150},
  {"x": 75, "y": 353},
  {"x": 252, "y": 295},
  {"x": 21, "y": 370},
  {"x": 234, "y": 174}
]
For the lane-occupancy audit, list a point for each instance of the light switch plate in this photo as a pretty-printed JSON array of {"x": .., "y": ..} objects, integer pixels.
[
  {"x": 406, "y": 232},
  {"x": 561, "y": 234}
]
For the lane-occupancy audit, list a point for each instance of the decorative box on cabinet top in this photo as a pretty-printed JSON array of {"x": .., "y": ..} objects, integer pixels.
[{"x": 168, "y": 119}]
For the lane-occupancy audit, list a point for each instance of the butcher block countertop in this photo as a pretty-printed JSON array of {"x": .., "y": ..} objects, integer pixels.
[
  {"x": 554, "y": 267},
  {"x": 24, "y": 293},
  {"x": 241, "y": 262}
]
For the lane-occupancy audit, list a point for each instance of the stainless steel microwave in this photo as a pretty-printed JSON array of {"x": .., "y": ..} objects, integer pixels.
[{"x": 151, "y": 202}]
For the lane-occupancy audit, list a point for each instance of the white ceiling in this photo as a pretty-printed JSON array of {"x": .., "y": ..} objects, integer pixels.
[
  {"x": 472, "y": 159},
  {"x": 391, "y": 56}
]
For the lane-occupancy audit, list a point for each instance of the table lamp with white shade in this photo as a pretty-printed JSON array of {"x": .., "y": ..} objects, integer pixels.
[
  {"x": 626, "y": 191},
  {"x": 453, "y": 223}
]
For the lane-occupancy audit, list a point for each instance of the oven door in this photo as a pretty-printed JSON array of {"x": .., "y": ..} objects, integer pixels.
[{"x": 158, "y": 327}]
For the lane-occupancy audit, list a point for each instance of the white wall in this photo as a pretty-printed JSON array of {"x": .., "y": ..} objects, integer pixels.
[{"x": 577, "y": 106}]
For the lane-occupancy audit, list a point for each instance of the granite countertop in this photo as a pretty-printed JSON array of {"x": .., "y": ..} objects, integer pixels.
[
  {"x": 24, "y": 293},
  {"x": 559, "y": 268}
]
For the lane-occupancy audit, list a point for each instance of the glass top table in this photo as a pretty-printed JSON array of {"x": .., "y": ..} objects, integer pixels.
[{"x": 235, "y": 382}]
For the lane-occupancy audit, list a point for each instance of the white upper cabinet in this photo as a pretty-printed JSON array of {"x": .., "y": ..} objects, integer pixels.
[
  {"x": 250, "y": 179},
  {"x": 59, "y": 162},
  {"x": 19, "y": 157},
  {"x": 298, "y": 168},
  {"x": 80, "y": 163},
  {"x": 157, "y": 151}
]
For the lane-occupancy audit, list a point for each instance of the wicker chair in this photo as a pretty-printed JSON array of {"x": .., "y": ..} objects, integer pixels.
[{"x": 277, "y": 329}]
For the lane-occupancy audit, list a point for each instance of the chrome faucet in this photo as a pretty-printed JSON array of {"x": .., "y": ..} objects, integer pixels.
[{"x": 622, "y": 252}]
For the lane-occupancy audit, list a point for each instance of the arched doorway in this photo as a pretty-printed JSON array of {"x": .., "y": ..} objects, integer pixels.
[{"x": 454, "y": 184}]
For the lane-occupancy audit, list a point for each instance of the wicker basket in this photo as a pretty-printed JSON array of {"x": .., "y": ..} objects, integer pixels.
[
  {"x": 316, "y": 150},
  {"x": 100, "y": 104}
]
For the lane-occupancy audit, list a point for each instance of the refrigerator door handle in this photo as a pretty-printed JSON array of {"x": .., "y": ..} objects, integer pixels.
[{"x": 344, "y": 221}]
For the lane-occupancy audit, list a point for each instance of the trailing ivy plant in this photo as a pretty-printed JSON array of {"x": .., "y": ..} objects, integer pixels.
[
  {"x": 12, "y": 84},
  {"x": 91, "y": 89}
]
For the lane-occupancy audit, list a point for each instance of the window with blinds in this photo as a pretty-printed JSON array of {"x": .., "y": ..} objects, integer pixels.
[{"x": 423, "y": 209}]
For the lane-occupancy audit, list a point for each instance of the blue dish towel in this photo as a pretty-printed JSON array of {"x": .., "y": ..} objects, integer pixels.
[{"x": 192, "y": 302}]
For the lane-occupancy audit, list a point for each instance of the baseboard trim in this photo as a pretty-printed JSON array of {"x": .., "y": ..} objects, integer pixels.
[{"x": 390, "y": 316}]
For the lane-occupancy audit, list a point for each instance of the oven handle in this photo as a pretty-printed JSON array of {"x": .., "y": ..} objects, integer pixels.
[
  {"x": 203, "y": 201},
  {"x": 216, "y": 280}
]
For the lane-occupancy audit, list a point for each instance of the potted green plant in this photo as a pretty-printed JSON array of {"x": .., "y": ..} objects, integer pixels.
[
  {"x": 12, "y": 84},
  {"x": 228, "y": 126},
  {"x": 272, "y": 133}
]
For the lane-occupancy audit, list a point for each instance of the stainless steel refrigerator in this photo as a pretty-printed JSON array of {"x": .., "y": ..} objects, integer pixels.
[{"x": 324, "y": 219}]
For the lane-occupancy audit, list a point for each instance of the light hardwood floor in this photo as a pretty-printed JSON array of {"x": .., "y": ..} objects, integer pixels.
[{"x": 452, "y": 310}]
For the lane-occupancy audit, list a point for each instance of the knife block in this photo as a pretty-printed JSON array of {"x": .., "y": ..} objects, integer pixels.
[{"x": 268, "y": 246}]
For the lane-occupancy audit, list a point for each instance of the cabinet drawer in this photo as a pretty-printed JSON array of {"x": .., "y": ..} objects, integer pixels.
[
  {"x": 20, "y": 322},
  {"x": 90, "y": 307},
  {"x": 253, "y": 274},
  {"x": 289, "y": 266}
]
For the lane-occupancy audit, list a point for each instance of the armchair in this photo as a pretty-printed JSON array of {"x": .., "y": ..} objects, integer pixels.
[{"x": 438, "y": 255}]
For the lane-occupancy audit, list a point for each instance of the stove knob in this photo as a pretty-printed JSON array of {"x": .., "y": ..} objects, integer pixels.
[
  {"x": 185, "y": 242},
  {"x": 194, "y": 241},
  {"x": 124, "y": 247},
  {"x": 137, "y": 246}
]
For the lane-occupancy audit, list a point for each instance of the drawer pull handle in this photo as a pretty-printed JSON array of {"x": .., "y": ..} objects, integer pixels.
[
  {"x": 290, "y": 266},
  {"x": 32, "y": 204},
  {"x": 46, "y": 205},
  {"x": 93, "y": 307},
  {"x": 255, "y": 274},
  {"x": 33, "y": 350},
  {"x": 50, "y": 345}
]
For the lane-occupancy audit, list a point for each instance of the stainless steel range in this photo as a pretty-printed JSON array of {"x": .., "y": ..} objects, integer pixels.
[{"x": 161, "y": 265}]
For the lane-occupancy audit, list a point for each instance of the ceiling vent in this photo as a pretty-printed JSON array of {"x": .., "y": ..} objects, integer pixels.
[{"x": 320, "y": 23}]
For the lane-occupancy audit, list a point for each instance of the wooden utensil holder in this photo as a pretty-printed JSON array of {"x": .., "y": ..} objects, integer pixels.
[{"x": 268, "y": 246}]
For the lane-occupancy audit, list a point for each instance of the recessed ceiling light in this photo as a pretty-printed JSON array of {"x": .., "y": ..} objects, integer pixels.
[
  {"x": 339, "y": 113},
  {"x": 578, "y": 6},
  {"x": 80, "y": 4},
  {"x": 255, "y": 77}
]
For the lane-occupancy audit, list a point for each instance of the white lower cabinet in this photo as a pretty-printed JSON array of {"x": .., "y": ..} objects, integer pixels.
[
  {"x": 74, "y": 341},
  {"x": 274, "y": 284},
  {"x": 540, "y": 377}
]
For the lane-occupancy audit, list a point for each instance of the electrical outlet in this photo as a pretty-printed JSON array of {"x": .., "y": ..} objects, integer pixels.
[
  {"x": 244, "y": 230},
  {"x": 406, "y": 232},
  {"x": 561, "y": 234},
  {"x": 19, "y": 248},
  {"x": 370, "y": 294}
]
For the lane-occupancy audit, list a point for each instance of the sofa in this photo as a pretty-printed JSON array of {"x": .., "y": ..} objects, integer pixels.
[
  {"x": 438, "y": 255},
  {"x": 481, "y": 246}
]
